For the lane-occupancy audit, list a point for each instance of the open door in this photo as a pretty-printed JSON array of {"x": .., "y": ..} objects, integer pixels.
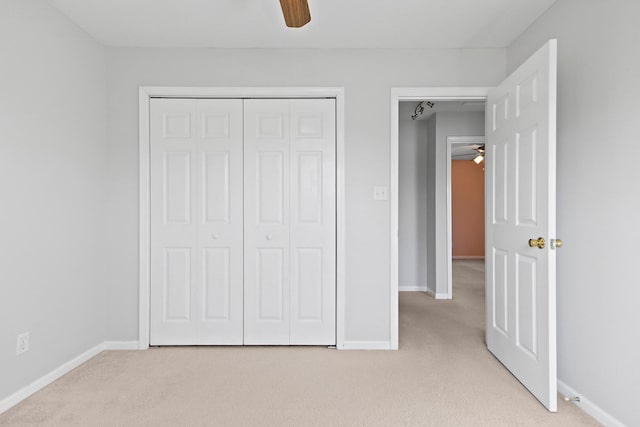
[{"x": 520, "y": 220}]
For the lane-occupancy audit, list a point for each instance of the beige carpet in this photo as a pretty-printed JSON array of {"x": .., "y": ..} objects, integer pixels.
[{"x": 441, "y": 376}]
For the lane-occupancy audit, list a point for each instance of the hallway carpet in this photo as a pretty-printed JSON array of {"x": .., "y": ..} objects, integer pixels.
[{"x": 442, "y": 375}]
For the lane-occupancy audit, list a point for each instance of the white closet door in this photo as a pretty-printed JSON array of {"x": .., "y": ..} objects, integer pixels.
[
  {"x": 290, "y": 222},
  {"x": 196, "y": 222},
  {"x": 266, "y": 221},
  {"x": 313, "y": 222}
]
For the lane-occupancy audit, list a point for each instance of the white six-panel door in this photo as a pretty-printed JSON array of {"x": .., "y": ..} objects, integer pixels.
[
  {"x": 196, "y": 222},
  {"x": 520, "y": 191},
  {"x": 313, "y": 222},
  {"x": 266, "y": 218},
  {"x": 242, "y": 256},
  {"x": 290, "y": 222}
]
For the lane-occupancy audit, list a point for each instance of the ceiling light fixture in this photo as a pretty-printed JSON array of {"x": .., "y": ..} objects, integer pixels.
[
  {"x": 296, "y": 13},
  {"x": 420, "y": 108},
  {"x": 480, "y": 156}
]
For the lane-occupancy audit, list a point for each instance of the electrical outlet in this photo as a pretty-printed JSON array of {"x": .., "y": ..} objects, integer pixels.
[{"x": 22, "y": 344}]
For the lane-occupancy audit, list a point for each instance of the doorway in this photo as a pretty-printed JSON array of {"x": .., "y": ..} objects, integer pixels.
[
  {"x": 439, "y": 272},
  {"x": 424, "y": 126},
  {"x": 465, "y": 201},
  {"x": 520, "y": 229}
]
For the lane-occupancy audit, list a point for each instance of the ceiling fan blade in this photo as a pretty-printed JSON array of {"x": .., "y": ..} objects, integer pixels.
[{"x": 296, "y": 12}]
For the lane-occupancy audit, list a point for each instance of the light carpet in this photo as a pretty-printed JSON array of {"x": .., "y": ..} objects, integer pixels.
[{"x": 442, "y": 375}]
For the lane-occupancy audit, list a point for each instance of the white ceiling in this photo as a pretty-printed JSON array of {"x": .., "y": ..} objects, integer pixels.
[{"x": 334, "y": 23}]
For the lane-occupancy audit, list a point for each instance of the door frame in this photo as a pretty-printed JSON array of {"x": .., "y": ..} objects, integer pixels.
[
  {"x": 144, "y": 259},
  {"x": 412, "y": 94},
  {"x": 452, "y": 140}
]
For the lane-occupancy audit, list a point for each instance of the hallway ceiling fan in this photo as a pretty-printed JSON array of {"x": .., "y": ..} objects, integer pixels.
[
  {"x": 475, "y": 150},
  {"x": 480, "y": 157},
  {"x": 296, "y": 13}
]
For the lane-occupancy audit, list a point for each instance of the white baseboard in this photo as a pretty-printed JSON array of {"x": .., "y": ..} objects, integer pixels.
[
  {"x": 438, "y": 295},
  {"x": 589, "y": 407},
  {"x": 412, "y": 288},
  {"x": 121, "y": 345},
  {"x": 44, "y": 381},
  {"x": 366, "y": 345},
  {"x": 65, "y": 368},
  {"x": 469, "y": 257}
]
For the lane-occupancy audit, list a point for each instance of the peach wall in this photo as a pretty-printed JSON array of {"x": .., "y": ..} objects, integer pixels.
[{"x": 467, "y": 206}]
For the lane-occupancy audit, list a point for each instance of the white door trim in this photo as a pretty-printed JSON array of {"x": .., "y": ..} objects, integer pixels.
[
  {"x": 450, "y": 141},
  {"x": 411, "y": 94},
  {"x": 148, "y": 92}
]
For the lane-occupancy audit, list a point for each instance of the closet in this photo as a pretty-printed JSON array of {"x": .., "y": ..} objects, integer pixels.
[{"x": 243, "y": 214}]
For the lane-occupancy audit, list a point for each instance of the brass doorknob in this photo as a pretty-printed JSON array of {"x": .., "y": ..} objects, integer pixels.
[
  {"x": 537, "y": 243},
  {"x": 558, "y": 243}
]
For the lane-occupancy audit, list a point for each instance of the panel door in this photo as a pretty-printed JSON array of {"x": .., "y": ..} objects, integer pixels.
[
  {"x": 196, "y": 222},
  {"x": 313, "y": 222},
  {"x": 520, "y": 205},
  {"x": 290, "y": 235},
  {"x": 266, "y": 221}
]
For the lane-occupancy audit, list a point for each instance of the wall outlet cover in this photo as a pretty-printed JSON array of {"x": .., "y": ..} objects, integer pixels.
[
  {"x": 22, "y": 343},
  {"x": 380, "y": 193}
]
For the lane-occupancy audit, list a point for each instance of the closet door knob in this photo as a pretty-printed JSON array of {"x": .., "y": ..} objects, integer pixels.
[
  {"x": 215, "y": 236},
  {"x": 268, "y": 237}
]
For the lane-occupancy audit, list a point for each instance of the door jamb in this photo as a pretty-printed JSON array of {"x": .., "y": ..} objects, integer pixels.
[
  {"x": 452, "y": 140},
  {"x": 411, "y": 94},
  {"x": 144, "y": 261}
]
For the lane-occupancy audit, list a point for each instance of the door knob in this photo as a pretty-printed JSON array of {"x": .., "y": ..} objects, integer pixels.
[
  {"x": 537, "y": 243},
  {"x": 215, "y": 236},
  {"x": 268, "y": 237}
]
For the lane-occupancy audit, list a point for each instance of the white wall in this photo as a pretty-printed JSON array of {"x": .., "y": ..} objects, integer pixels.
[
  {"x": 52, "y": 170},
  {"x": 367, "y": 76},
  {"x": 446, "y": 124},
  {"x": 431, "y": 203},
  {"x": 598, "y": 198},
  {"x": 412, "y": 201}
]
